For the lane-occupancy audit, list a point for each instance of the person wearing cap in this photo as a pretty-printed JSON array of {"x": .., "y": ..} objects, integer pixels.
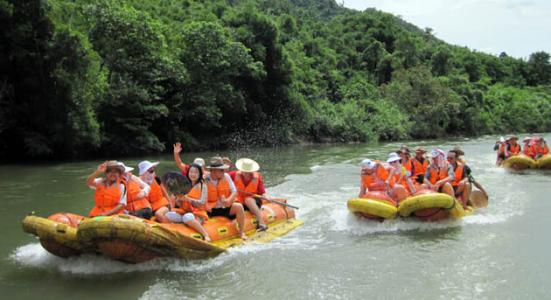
[
  {"x": 228, "y": 162},
  {"x": 439, "y": 174},
  {"x": 110, "y": 192},
  {"x": 191, "y": 207},
  {"x": 512, "y": 148},
  {"x": 222, "y": 194},
  {"x": 460, "y": 183},
  {"x": 398, "y": 182},
  {"x": 250, "y": 185},
  {"x": 373, "y": 177},
  {"x": 136, "y": 194},
  {"x": 540, "y": 147},
  {"x": 528, "y": 150},
  {"x": 157, "y": 197},
  {"x": 500, "y": 148},
  {"x": 420, "y": 165}
]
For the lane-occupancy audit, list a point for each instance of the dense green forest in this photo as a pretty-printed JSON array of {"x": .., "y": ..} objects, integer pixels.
[{"x": 127, "y": 77}]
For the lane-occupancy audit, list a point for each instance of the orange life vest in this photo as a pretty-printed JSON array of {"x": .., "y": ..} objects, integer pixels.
[
  {"x": 540, "y": 150},
  {"x": 195, "y": 194},
  {"x": 155, "y": 197},
  {"x": 458, "y": 174},
  {"x": 513, "y": 150},
  {"x": 410, "y": 167},
  {"x": 107, "y": 198},
  {"x": 251, "y": 188},
  {"x": 370, "y": 181},
  {"x": 133, "y": 203},
  {"x": 420, "y": 168},
  {"x": 437, "y": 175},
  {"x": 223, "y": 189},
  {"x": 529, "y": 151}
]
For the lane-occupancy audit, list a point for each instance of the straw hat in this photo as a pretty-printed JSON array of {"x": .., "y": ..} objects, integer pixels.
[
  {"x": 145, "y": 165},
  {"x": 392, "y": 157},
  {"x": 247, "y": 165},
  {"x": 512, "y": 137},
  {"x": 457, "y": 151},
  {"x": 216, "y": 163},
  {"x": 420, "y": 149},
  {"x": 114, "y": 164}
]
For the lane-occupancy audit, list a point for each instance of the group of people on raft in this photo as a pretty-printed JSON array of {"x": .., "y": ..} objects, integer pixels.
[
  {"x": 534, "y": 147},
  {"x": 402, "y": 175},
  {"x": 216, "y": 191}
]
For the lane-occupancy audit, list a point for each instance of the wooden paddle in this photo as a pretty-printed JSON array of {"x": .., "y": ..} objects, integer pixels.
[
  {"x": 478, "y": 199},
  {"x": 268, "y": 199}
]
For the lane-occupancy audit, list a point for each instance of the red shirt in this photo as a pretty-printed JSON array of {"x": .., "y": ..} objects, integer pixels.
[{"x": 260, "y": 190}]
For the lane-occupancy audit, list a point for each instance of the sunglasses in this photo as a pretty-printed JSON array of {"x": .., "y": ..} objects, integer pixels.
[{"x": 151, "y": 170}]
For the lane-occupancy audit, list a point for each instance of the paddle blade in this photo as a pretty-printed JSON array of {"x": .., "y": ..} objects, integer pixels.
[
  {"x": 478, "y": 199},
  {"x": 176, "y": 183}
]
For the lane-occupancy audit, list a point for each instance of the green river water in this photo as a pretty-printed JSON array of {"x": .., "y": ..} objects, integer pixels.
[{"x": 501, "y": 252}]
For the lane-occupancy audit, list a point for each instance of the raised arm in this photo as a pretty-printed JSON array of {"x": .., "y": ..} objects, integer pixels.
[
  {"x": 181, "y": 166},
  {"x": 90, "y": 181}
]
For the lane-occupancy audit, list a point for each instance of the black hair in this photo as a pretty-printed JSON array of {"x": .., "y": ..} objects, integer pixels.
[{"x": 200, "y": 170}]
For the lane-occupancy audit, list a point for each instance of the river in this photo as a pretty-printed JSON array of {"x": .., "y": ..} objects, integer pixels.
[{"x": 499, "y": 252}]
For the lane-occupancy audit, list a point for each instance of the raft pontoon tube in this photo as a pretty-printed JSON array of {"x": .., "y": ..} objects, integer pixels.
[{"x": 373, "y": 205}]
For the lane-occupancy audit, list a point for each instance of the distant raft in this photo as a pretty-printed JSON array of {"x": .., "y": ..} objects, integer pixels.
[
  {"x": 544, "y": 162},
  {"x": 520, "y": 162},
  {"x": 373, "y": 205},
  {"x": 130, "y": 239}
]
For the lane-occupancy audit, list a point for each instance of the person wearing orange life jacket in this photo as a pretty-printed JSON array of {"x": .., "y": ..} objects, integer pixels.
[
  {"x": 459, "y": 157},
  {"x": 500, "y": 148},
  {"x": 373, "y": 177},
  {"x": 110, "y": 192},
  {"x": 248, "y": 182},
  {"x": 512, "y": 148},
  {"x": 137, "y": 191},
  {"x": 406, "y": 160},
  {"x": 398, "y": 182},
  {"x": 540, "y": 147},
  {"x": 439, "y": 174},
  {"x": 528, "y": 150},
  {"x": 420, "y": 165},
  {"x": 222, "y": 194},
  {"x": 191, "y": 207},
  {"x": 460, "y": 183},
  {"x": 157, "y": 197}
]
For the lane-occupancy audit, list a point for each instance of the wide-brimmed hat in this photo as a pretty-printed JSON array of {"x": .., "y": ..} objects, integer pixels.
[
  {"x": 436, "y": 152},
  {"x": 216, "y": 163},
  {"x": 199, "y": 161},
  {"x": 501, "y": 139},
  {"x": 527, "y": 139},
  {"x": 368, "y": 164},
  {"x": 392, "y": 157},
  {"x": 512, "y": 137},
  {"x": 420, "y": 149},
  {"x": 247, "y": 165},
  {"x": 114, "y": 164},
  {"x": 125, "y": 168},
  {"x": 145, "y": 165}
]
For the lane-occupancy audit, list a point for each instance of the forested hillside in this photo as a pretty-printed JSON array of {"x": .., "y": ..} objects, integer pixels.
[{"x": 127, "y": 77}]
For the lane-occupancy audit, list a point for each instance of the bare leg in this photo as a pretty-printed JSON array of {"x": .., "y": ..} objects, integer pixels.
[
  {"x": 199, "y": 228},
  {"x": 400, "y": 193},
  {"x": 448, "y": 189},
  {"x": 251, "y": 204},
  {"x": 466, "y": 193},
  {"x": 237, "y": 209},
  {"x": 160, "y": 215}
]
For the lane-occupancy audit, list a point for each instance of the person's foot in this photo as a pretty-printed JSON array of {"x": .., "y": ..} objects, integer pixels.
[
  {"x": 261, "y": 227},
  {"x": 244, "y": 236}
]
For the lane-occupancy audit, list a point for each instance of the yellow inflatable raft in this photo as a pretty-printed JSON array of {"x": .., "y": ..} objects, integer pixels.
[
  {"x": 544, "y": 162},
  {"x": 430, "y": 206},
  {"x": 520, "y": 162},
  {"x": 373, "y": 205},
  {"x": 134, "y": 240}
]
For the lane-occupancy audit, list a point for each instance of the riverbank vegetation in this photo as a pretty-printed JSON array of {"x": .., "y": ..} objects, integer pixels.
[{"x": 121, "y": 77}]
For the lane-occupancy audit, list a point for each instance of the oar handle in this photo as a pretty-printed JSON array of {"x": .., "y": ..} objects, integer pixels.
[{"x": 267, "y": 199}]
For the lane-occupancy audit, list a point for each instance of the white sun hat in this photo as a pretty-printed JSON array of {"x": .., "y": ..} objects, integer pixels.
[
  {"x": 392, "y": 157},
  {"x": 126, "y": 169},
  {"x": 247, "y": 165},
  {"x": 368, "y": 164},
  {"x": 199, "y": 161},
  {"x": 146, "y": 165}
]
